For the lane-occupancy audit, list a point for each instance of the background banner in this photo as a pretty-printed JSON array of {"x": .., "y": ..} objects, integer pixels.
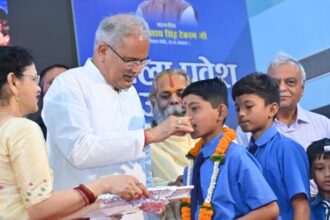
[{"x": 212, "y": 39}]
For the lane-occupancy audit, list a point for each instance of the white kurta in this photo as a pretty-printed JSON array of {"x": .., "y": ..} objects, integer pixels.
[{"x": 93, "y": 130}]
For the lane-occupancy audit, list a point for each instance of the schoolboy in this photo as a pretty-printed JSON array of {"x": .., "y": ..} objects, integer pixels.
[
  {"x": 284, "y": 162},
  {"x": 240, "y": 190},
  {"x": 319, "y": 160}
]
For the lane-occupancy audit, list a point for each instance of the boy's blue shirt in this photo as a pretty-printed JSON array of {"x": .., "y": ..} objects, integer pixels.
[
  {"x": 240, "y": 186},
  {"x": 285, "y": 167},
  {"x": 317, "y": 209}
]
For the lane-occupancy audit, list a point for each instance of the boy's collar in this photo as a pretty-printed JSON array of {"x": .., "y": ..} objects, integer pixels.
[
  {"x": 209, "y": 148},
  {"x": 264, "y": 137},
  {"x": 317, "y": 200}
]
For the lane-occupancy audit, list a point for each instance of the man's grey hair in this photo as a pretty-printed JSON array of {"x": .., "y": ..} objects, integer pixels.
[
  {"x": 154, "y": 86},
  {"x": 282, "y": 58},
  {"x": 114, "y": 28}
]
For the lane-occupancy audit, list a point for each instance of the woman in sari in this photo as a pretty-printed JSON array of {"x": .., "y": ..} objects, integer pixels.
[{"x": 26, "y": 185}]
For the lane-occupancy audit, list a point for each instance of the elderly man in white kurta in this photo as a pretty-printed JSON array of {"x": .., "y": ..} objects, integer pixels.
[{"x": 93, "y": 114}]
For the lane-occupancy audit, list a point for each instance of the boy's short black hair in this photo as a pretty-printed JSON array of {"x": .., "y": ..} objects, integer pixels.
[
  {"x": 259, "y": 84},
  {"x": 213, "y": 91},
  {"x": 316, "y": 150}
]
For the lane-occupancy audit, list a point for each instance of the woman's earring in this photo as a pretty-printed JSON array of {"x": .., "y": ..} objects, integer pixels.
[{"x": 17, "y": 100}]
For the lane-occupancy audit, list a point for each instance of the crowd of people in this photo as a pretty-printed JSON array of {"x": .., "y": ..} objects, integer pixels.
[{"x": 97, "y": 140}]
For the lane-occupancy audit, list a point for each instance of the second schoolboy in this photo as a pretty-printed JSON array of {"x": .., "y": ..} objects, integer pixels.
[{"x": 284, "y": 161}]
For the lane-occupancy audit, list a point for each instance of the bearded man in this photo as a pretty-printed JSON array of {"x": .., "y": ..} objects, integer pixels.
[{"x": 168, "y": 157}]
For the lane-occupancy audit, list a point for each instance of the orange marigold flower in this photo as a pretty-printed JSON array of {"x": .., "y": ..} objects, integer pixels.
[
  {"x": 187, "y": 200},
  {"x": 185, "y": 213},
  {"x": 194, "y": 151}
]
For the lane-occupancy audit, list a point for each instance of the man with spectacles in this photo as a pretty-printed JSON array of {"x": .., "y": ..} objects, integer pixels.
[
  {"x": 130, "y": 64},
  {"x": 93, "y": 114}
]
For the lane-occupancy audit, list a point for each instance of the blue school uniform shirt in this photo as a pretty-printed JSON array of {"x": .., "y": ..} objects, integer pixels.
[
  {"x": 240, "y": 186},
  {"x": 318, "y": 211},
  {"x": 285, "y": 167}
]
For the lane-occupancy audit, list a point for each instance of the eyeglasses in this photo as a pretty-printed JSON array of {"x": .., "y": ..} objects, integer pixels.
[
  {"x": 35, "y": 78},
  {"x": 130, "y": 63}
]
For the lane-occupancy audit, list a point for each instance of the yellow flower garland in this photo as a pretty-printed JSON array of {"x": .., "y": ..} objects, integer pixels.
[{"x": 218, "y": 157}]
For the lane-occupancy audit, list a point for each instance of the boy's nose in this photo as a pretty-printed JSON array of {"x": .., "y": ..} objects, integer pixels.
[
  {"x": 240, "y": 113},
  {"x": 327, "y": 172},
  {"x": 188, "y": 114}
]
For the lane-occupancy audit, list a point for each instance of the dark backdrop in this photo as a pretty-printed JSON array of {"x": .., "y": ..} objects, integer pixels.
[{"x": 46, "y": 28}]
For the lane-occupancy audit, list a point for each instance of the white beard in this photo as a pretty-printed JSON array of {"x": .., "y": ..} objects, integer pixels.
[{"x": 160, "y": 115}]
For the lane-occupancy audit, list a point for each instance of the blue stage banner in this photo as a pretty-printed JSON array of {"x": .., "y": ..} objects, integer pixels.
[{"x": 206, "y": 38}]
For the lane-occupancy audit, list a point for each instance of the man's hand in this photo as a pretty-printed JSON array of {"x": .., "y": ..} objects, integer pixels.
[{"x": 170, "y": 126}]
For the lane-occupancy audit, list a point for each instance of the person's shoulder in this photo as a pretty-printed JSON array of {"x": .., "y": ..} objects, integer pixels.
[
  {"x": 280, "y": 139},
  {"x": 18, "y": 124},
  {"x": 238, "y": 158},
  {"x": 317, "y": 120},
  {"x": 21, "y": 133},
  {"x": 63, "y": 80},
  {"x": 235, "y": 151},
  {"x": 285, "y": 143},
  {"x": 69, "y": 74},
  {"x": 21, "y": 121},
  {"x": 315, "y": 115},
  {"x": 26, "y": 122},
  {"x": 68, "y": 81}
]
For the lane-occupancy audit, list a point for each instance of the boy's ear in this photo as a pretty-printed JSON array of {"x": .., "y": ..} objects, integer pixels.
[
  {"x": 223, "y": 111},
  {"x": 274, "y": 107}
]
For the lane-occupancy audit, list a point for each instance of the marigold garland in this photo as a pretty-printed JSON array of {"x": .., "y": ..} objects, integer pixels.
[{"x": 218, "y": 157}]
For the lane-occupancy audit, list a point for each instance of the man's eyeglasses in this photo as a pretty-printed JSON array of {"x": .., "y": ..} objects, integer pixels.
[
  {"x": 130, "y": 63},
  {"x": 35, "y": 78}
]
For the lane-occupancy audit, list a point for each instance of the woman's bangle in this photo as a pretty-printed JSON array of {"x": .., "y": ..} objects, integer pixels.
[{"x": 86, "y": 193}]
